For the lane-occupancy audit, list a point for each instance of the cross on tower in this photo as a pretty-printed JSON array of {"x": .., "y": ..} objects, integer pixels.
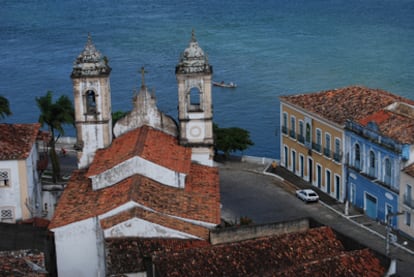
[{"x": 143, "y": 77}]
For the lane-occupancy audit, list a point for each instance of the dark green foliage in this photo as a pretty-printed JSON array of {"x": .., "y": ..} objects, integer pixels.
[
  {"x": 117, "y": 116},
  {"x": 4, "y": 107},
  {"x": 231, "y": 139}
]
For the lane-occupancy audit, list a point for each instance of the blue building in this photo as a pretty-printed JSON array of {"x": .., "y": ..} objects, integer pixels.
[{"x": 378, "y": 148}]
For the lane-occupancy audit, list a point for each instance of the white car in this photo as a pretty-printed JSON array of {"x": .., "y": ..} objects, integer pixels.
[{"x": 307, "y": 195}]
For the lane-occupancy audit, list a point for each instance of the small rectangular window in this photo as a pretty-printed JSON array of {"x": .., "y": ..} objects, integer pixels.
[
  {"x": 7, "y": 215},
  {"x": 407, "y": 218},
  {"x": 4, "y": 178}
]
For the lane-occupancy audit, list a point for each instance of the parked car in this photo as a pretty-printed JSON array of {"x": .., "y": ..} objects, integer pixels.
[{"x": 307, "y": 195}]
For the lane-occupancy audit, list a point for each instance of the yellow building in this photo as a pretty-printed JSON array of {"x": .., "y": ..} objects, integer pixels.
[{"x": 312, "y": 143}]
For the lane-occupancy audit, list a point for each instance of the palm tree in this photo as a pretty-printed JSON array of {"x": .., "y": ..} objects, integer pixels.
[
  {"x": 55, "y": 115},
  {"x": 4, "y": 107}
]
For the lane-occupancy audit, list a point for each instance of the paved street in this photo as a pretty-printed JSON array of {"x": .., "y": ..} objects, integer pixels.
[{"x": 247, "y": 191}]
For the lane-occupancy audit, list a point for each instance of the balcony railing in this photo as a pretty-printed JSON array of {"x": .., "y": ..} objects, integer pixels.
[
  {"x": 337, "y": 157},
  {"x": 300, "y": 138},
  {"x": 408, "y": 200},
  {"x": 316, "y": 146},
  {"x": 292, "y": 134},
  {"x": 284, "y": 130},
  {"x": 374, "y": 136},
  {"x": 357, "y": 165},
  {"x": 327, "y": 152},
  {"x": 387, "y": 180},
  {"x": 371, "y": 172}
]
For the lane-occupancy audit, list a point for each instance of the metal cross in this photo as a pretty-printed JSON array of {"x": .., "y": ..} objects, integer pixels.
[{"x": 143, "y": 76}]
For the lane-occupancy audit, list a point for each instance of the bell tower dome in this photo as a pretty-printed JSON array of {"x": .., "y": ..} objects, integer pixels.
[
  {"x": 92, "y": 100},
  {"x": 195, "y": 107}
]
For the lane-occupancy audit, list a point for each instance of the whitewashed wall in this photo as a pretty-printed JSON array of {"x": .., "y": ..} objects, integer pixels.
[
  {"x": 10, "y": 196},
  {"x": 79, "y": 249}
]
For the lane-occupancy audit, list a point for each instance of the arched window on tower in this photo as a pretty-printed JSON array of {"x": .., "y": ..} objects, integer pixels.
[
  {"x": 194, "y": 98},
  {"x": 90, "y": 102}
]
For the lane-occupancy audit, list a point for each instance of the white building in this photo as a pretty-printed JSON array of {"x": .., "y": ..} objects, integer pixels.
[{"x": 20, "y": 188}]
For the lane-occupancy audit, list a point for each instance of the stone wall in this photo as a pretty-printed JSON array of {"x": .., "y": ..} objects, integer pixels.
[{"x": 239, "y": 233}]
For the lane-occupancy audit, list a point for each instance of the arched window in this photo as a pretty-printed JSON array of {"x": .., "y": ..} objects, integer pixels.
[
  {"x": 357, "y": 156},
  {"x": 194, "y": 98},
  {"x": 388, "y": 170},
  {"x": 372, "y": 164},
  {"x": 90, "y": 102}
]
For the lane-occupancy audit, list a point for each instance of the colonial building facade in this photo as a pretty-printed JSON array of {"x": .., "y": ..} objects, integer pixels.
[
  {"x": 313, "y": 133},
  {"x": 379, "y": 148}
]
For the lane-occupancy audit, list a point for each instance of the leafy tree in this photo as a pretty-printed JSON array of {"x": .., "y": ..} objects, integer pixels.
[
  {"x": 4, "y": 107},
  {"x": 117, "y": 116},
  {"x": 231, "y": 139},
  {"x": 55, "y": 115}
]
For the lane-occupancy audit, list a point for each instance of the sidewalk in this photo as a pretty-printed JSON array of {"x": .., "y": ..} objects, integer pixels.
[
  {"x": 292, "y": 182},
  {"x": 355, "y": 216}
]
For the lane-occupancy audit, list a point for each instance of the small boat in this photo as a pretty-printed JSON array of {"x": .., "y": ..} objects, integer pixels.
[{"x": 224, "y": 85}]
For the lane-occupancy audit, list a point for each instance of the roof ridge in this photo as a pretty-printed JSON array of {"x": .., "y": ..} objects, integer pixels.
[{"x": 140, "y": 142}]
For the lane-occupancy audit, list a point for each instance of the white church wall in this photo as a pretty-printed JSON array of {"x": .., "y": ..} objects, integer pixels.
[
  {"x": 137, "y": 227},
  {"x": 202, "y": 155},
  {"x": 138, "y": 165},
  {"x": 80, "y": 249}
]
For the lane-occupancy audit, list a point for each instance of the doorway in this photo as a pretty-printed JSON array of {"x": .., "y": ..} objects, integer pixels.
[
  {"x": 310, "y": 170},
  {"x": 371, "y": 206}
]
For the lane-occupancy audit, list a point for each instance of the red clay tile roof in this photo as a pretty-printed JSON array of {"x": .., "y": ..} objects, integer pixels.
[
  {"x": 338, "y": 105},
  {"x": 148, "y": 143},
  {"x": 352, "y": 263},
  {"x": 409, "y": 170},
  {"x": 392, "y": 125},
  {"x": 199, "y": 200},
  {"x": 316, "y": 252},
  {"x": 126, "y": 255},
  {"x": 16, "y": 263},
  {"x": 16, "y": 140}
]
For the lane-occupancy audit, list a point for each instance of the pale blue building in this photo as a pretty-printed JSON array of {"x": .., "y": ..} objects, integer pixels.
[{"x": 378, "y": 148}]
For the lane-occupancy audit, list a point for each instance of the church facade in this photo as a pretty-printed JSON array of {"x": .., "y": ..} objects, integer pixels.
[{"x": 147, "y": 177}]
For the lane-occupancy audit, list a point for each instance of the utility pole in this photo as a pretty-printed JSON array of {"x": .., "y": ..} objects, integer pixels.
[{"x": 388, "y": 231}]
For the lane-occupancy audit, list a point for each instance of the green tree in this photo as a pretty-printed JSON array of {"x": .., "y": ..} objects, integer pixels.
[
  {"x": 4, "y": 107},
  {"x": 117, "y": 116},
  {"x": 231, "y": 139},
  {"x": 55, "y": 115}
]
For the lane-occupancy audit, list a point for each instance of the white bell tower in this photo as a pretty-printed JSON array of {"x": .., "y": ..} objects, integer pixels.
[
  {"x": 92, "y": 97},
  {"x": 195, "y": 107}
]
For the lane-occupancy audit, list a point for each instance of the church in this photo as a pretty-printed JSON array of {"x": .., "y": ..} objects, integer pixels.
[{"x": 147, "y": 177}]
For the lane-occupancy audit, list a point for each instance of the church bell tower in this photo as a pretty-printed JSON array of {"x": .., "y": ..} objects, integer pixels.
[
  {"x": 195, "y": 107},
  {"x": 92, "y": 101}
]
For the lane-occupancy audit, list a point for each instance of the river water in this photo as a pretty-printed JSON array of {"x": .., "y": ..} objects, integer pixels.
[{"x": 268, "y": 47}]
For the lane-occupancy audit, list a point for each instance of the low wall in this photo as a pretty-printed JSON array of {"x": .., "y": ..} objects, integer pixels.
[
  {"x": 67, "y": 140},
  {"x": 239, "y": 233},
  {"x": 257, "y": 160}
]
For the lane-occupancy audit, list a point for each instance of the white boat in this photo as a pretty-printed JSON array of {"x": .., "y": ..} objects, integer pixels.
[{"x": 224, "y": 85}]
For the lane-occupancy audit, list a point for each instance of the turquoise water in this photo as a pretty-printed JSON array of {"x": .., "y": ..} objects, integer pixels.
[{"x": 269, "y": 48}]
